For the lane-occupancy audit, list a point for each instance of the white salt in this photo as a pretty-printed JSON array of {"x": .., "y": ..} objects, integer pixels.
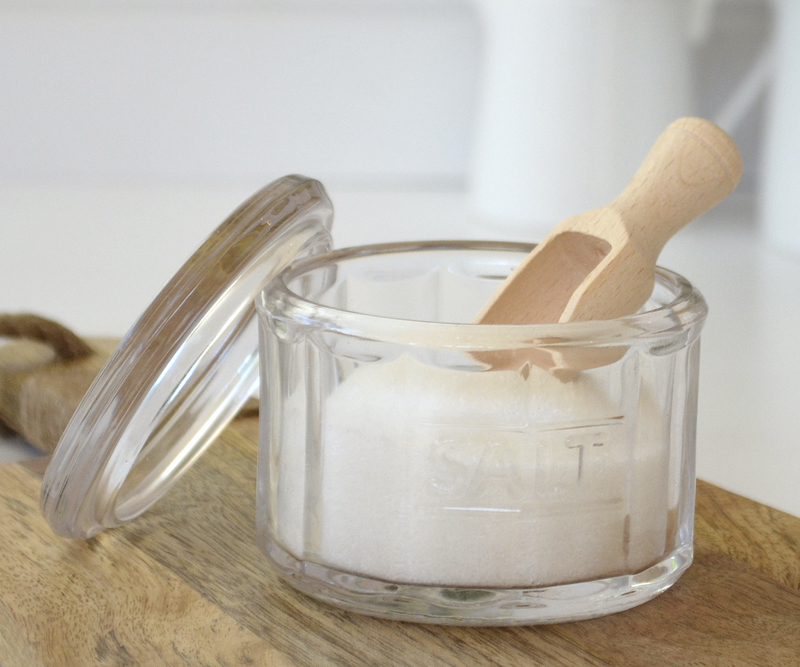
[{"x": 454, "y": 478}]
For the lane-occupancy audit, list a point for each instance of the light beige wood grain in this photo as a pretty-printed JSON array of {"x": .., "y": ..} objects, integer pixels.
[
  {"x": 39, "y": 393},
  {"x": 600, "y": 265},
  {"x": 763, "y": 537},
  {"x": 102, "y": 602}
]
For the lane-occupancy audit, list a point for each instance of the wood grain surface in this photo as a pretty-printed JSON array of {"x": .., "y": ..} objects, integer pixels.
[{"x": 185, "y": 584}]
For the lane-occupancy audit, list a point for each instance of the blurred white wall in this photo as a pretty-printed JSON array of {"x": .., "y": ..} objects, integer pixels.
[
  {"x": 240, "y": 91},
  {"x": 231, "y": 92}
]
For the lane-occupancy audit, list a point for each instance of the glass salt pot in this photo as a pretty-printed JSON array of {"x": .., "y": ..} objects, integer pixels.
[{"x": 399, "y": 475}]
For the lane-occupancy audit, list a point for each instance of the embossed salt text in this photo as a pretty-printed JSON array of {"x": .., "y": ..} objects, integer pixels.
[{"x": 480, "y": 479}]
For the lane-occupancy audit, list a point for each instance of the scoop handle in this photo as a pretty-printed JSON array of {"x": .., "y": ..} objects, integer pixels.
[{"x": 692, "y": 166}]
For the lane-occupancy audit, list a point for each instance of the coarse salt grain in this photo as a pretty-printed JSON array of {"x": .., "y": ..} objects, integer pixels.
[{"x": 480, "y": 479}]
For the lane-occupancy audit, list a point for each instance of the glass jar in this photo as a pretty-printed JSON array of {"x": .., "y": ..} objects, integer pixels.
[{"x": 404, "y": 474}]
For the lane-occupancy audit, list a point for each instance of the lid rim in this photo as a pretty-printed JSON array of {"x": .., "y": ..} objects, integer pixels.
[{"x": 196, "y": 337}]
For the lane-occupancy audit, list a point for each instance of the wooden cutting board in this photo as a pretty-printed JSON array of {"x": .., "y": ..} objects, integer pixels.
[{"x": 185, "y": 584}]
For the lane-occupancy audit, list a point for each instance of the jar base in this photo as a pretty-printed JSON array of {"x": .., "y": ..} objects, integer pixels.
[{"x": 479, "y": 606}]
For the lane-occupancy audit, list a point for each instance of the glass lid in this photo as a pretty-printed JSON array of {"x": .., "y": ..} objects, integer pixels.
[{"x": 184, "y": 369}]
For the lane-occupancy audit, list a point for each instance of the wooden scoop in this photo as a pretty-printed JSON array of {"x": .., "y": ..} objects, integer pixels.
[{"x": 601, "y": 264}]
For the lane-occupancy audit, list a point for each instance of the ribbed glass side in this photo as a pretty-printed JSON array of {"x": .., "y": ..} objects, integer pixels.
[{"x": 415, "y": 481}]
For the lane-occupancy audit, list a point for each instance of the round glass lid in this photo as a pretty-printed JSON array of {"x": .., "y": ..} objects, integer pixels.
[{"x": 184, "y": 369}]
